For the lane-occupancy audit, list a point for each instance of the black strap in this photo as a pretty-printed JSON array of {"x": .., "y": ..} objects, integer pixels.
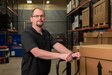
[
  {"x": 57, "y": 67},
  {"x": 78, "y": 67}
]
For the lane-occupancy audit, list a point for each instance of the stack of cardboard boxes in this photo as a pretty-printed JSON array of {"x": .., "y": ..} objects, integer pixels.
[
  {"x": 96, "y": 54},
  {"x": 97, "y": 38}
]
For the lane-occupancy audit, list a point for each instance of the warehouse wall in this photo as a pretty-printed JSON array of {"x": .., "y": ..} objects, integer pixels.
[
  {"x": 55, "y": 20},
  {"x": 55, "y": 17}
]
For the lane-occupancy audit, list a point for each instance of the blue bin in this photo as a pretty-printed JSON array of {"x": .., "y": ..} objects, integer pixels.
[
  {"x": 1, "y": 53},
  {"x": 2, "y": 39}
]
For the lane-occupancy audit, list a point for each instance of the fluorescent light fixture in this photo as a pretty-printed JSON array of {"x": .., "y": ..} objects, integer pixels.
[
  {"x": 47, "y": 2},
  {"x": 29, "y": 1}
]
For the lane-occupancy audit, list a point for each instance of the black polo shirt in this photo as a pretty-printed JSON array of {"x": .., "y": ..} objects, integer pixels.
[{"x": 30, "y": 64}]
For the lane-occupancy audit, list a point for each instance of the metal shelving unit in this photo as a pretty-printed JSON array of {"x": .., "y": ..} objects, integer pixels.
[{"x": 70, "y": 18}]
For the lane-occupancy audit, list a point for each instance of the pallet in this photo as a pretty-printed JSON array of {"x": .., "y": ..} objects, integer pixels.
[
  {"x": 85, "y": 26},
  {"x": 104, "y": 24}
]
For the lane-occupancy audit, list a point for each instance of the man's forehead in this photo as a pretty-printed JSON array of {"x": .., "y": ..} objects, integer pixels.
[{"x": 38, "y": 11}]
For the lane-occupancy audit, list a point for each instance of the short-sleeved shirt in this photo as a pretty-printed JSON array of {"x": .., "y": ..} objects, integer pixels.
[{"x": 30, "y": 39}]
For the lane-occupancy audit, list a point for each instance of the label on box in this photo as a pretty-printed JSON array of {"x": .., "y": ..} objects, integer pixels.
[{"x": 12, "y": 53}]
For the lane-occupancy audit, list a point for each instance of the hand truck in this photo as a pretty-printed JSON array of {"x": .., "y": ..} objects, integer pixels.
[{"x": 67, "y": 69}]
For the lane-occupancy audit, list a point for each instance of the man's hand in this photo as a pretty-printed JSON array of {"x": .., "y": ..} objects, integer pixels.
[
  {"x": 76, "y": 55},
  {"x": 69, "y": 57}
]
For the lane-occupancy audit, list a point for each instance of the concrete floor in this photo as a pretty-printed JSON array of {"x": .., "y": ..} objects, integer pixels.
[
  {"x": 11, "y": 68},
  {"x": 14, "y": 67}
]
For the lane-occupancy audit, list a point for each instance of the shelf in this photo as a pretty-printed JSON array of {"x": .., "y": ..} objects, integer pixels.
[
  {"x": 5, "y": 57},
  {"x": 12, "y": 11},
  {"x": 9, "y": 30},
  {"x": 7, "y": 49},
  {"x": 81, "y": 5},
  {"x": 90, "y": 28}
]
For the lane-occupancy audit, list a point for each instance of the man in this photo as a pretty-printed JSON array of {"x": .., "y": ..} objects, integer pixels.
[{"x": 37, "y": 45}]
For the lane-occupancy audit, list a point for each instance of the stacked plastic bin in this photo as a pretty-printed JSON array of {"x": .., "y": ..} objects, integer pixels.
[
  {"x": 15, "y": 46},
  {"x": 4, "y": 50}
]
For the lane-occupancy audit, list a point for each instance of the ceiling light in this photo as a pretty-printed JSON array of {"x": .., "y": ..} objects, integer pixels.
[
  {"x": 29, "y": 1},
  {"x": 47, "y": 2}
]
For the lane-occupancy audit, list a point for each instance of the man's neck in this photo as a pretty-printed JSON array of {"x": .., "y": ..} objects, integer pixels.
[{"x": 38, "y": 29}]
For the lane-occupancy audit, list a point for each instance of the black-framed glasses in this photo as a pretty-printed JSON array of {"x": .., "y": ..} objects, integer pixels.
[{"x": 37, "y": 16}]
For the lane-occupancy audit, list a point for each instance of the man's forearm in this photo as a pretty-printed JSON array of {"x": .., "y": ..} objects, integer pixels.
[
  {"x": 60, "y": 48},
  {"x": 40, "y": 53}
]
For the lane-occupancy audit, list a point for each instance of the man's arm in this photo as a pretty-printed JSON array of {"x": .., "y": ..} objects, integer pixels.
[
  {"x": 60, "y": 48},
  {"x": 40, "y": 53},
  {"x": 63, "y": 54}
]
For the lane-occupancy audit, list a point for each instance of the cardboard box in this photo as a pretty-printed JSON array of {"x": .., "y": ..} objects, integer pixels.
[
  {"x": 106, "y": 37},
  {"x": 85, "y": 18},
  {"x": 69, "y": 7},
  {"x": 96, "y": 59},
  {"x": 76, "y": 23},
  {"x": 100, "y": 13},
  {"x": 111, "y": 12},
  {"x": 97, "y": 38},
  {"x": 91, "y": 38}
]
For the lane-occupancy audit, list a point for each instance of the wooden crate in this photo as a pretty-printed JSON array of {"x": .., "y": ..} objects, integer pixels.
[
  {"x": 100, "y": 13},
  {"x": 85, "y": 18}
]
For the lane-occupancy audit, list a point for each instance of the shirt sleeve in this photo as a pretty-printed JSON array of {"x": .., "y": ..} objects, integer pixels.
[
  {"x": 52, "y": 39},
  {"x": 28, "y": 41}
]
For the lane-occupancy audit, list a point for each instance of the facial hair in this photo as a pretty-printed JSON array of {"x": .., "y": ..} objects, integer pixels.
[{"x": 39, "y": 25}]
